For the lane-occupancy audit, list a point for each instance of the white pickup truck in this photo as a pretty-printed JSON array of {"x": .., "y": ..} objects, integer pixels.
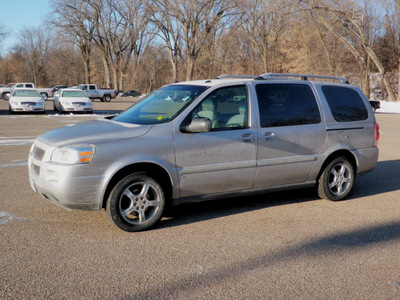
[
  {"x": 45, "y": 92},
  {"x": 91, "y": 90},
  {"x": 6, "y": 91}
]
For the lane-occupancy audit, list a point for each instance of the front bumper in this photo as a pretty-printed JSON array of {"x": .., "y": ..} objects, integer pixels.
[
  {"x": 77, "y": 107},
  {"x": 27, "y": 108},
  {"x": 69, "y": 186}
]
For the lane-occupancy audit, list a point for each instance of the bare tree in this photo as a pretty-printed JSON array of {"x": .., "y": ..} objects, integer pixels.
[
  {"x": 3, "y": 32},
  {"x": 75, "y": 27},
  {"x": 390, "y": 42},
  {"x": 36, "y": 44},
  {"x": 355, "y": 33},
  {"x": 118, "y": 29},
  {"x": 264, "y": 21},
  {"x": 198, "y": 20},
  {"x": 139, "y": 35},
  {"x": 169, "y": 31}
]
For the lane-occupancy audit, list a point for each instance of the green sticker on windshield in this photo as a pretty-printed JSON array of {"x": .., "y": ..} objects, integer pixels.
[{"x": 159, "y": 118}]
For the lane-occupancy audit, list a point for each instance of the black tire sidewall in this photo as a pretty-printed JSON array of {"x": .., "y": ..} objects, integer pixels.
[{"x": 112, "y": 207}]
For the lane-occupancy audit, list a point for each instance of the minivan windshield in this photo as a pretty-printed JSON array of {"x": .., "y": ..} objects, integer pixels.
[{"x": 162, "y": 105}]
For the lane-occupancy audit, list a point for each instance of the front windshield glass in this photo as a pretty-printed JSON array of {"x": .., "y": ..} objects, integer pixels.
[
  {"x": 26, "y": 93},
  {"x": 71, "y": 94},
  {"x": 162, "y": 105}
]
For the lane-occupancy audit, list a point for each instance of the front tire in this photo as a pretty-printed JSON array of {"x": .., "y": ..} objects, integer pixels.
[
  {"x": 136, "y": 203},
  {"x": 337, "y": 180}
]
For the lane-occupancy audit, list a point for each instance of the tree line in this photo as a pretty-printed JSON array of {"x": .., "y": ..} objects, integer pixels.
[{"x": 142, "y": 45}]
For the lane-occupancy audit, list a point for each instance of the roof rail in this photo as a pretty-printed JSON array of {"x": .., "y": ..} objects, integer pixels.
[
  {"x": 237, "y": 76},
  {"x": 304, "y": 77}
]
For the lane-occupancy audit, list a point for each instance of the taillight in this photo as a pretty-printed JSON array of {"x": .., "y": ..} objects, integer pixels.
[{"x": 376, "y": 135}]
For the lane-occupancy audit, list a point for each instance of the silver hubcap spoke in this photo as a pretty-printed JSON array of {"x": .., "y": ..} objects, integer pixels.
[
  {"x": 339, "y": 179},
  {"x": 154, "y": 203},
  {"x": 139, "y": 203},
  {"x": 144, "y": 190}
]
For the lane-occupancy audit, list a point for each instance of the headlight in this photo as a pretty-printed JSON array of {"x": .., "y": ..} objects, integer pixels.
[
  {"x": 73, "y": 154},
  {"x": 65, "y": 103}
]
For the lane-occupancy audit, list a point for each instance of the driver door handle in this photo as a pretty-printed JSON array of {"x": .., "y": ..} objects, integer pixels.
[{"x": 248, "y": 138}]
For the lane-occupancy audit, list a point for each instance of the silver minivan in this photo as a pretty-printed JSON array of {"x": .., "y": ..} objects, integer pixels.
[{"x": 202, "y": 140}]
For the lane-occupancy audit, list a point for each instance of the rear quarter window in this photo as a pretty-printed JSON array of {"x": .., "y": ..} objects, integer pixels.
[
  {"x": 287, "y": 105},
  {"x": 345, "y": 103}
]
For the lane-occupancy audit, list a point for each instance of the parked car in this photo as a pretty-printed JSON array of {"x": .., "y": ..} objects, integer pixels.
[
  {"x": 208, "y": 139},
  {"x": 6, "y": 92},
  {"x": 26, "y": 100},
  {"x": 131, "y": 94},
  {"x": 119, "y": 92},
  {"x": 56, "y": 88},
  {"x": 91, "y": 90},
  {"x": 376, "y": 104},
  {"x": 69, "y": 100}
]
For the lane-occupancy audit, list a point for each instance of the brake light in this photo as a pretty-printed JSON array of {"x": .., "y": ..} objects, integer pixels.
[{"x": 376, "y": 135}]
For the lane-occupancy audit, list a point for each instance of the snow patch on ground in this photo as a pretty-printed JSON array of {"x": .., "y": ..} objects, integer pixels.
[
  {"x": 6, "y": 217},
  {"x": 16, "y": 163},
  {"x": 17, "y": 140},
  {"x": 389, "y": 107}
]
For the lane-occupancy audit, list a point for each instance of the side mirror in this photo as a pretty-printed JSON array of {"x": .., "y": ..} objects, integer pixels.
[
  {"x": 7, "y": 96},
  {"x": 198, "y": 125}
]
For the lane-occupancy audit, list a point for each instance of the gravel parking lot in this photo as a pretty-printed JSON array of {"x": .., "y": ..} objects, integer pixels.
[{"x": 288, "y": 245}]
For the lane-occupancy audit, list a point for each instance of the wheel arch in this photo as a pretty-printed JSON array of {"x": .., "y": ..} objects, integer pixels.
[
  {"x": 343, "y": 152},
  {"x": 153, "y": 170}
]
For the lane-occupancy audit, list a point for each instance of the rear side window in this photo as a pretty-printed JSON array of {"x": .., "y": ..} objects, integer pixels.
[
  {"x": 346, "y": 104},
  {"x": 287, "y": 105}
]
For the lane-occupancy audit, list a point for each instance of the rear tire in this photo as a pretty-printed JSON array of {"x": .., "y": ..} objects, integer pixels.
[
  {"x": 136, "y": 203},
  {"x": 106, "y": 98},
  {"x": 337, "y": 180}
]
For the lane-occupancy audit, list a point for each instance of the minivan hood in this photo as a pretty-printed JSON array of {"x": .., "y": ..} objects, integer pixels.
[{"x": 89, "y": 132}]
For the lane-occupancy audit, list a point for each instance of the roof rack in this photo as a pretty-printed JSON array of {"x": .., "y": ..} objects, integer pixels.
[
  {"x": 302, "y": 76},
  {"x": 237, "y": 76},
  {"x": 282, "y": 76}
]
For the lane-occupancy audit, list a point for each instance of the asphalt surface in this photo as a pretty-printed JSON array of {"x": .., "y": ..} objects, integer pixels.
[{"x": 288, "y": 245}]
